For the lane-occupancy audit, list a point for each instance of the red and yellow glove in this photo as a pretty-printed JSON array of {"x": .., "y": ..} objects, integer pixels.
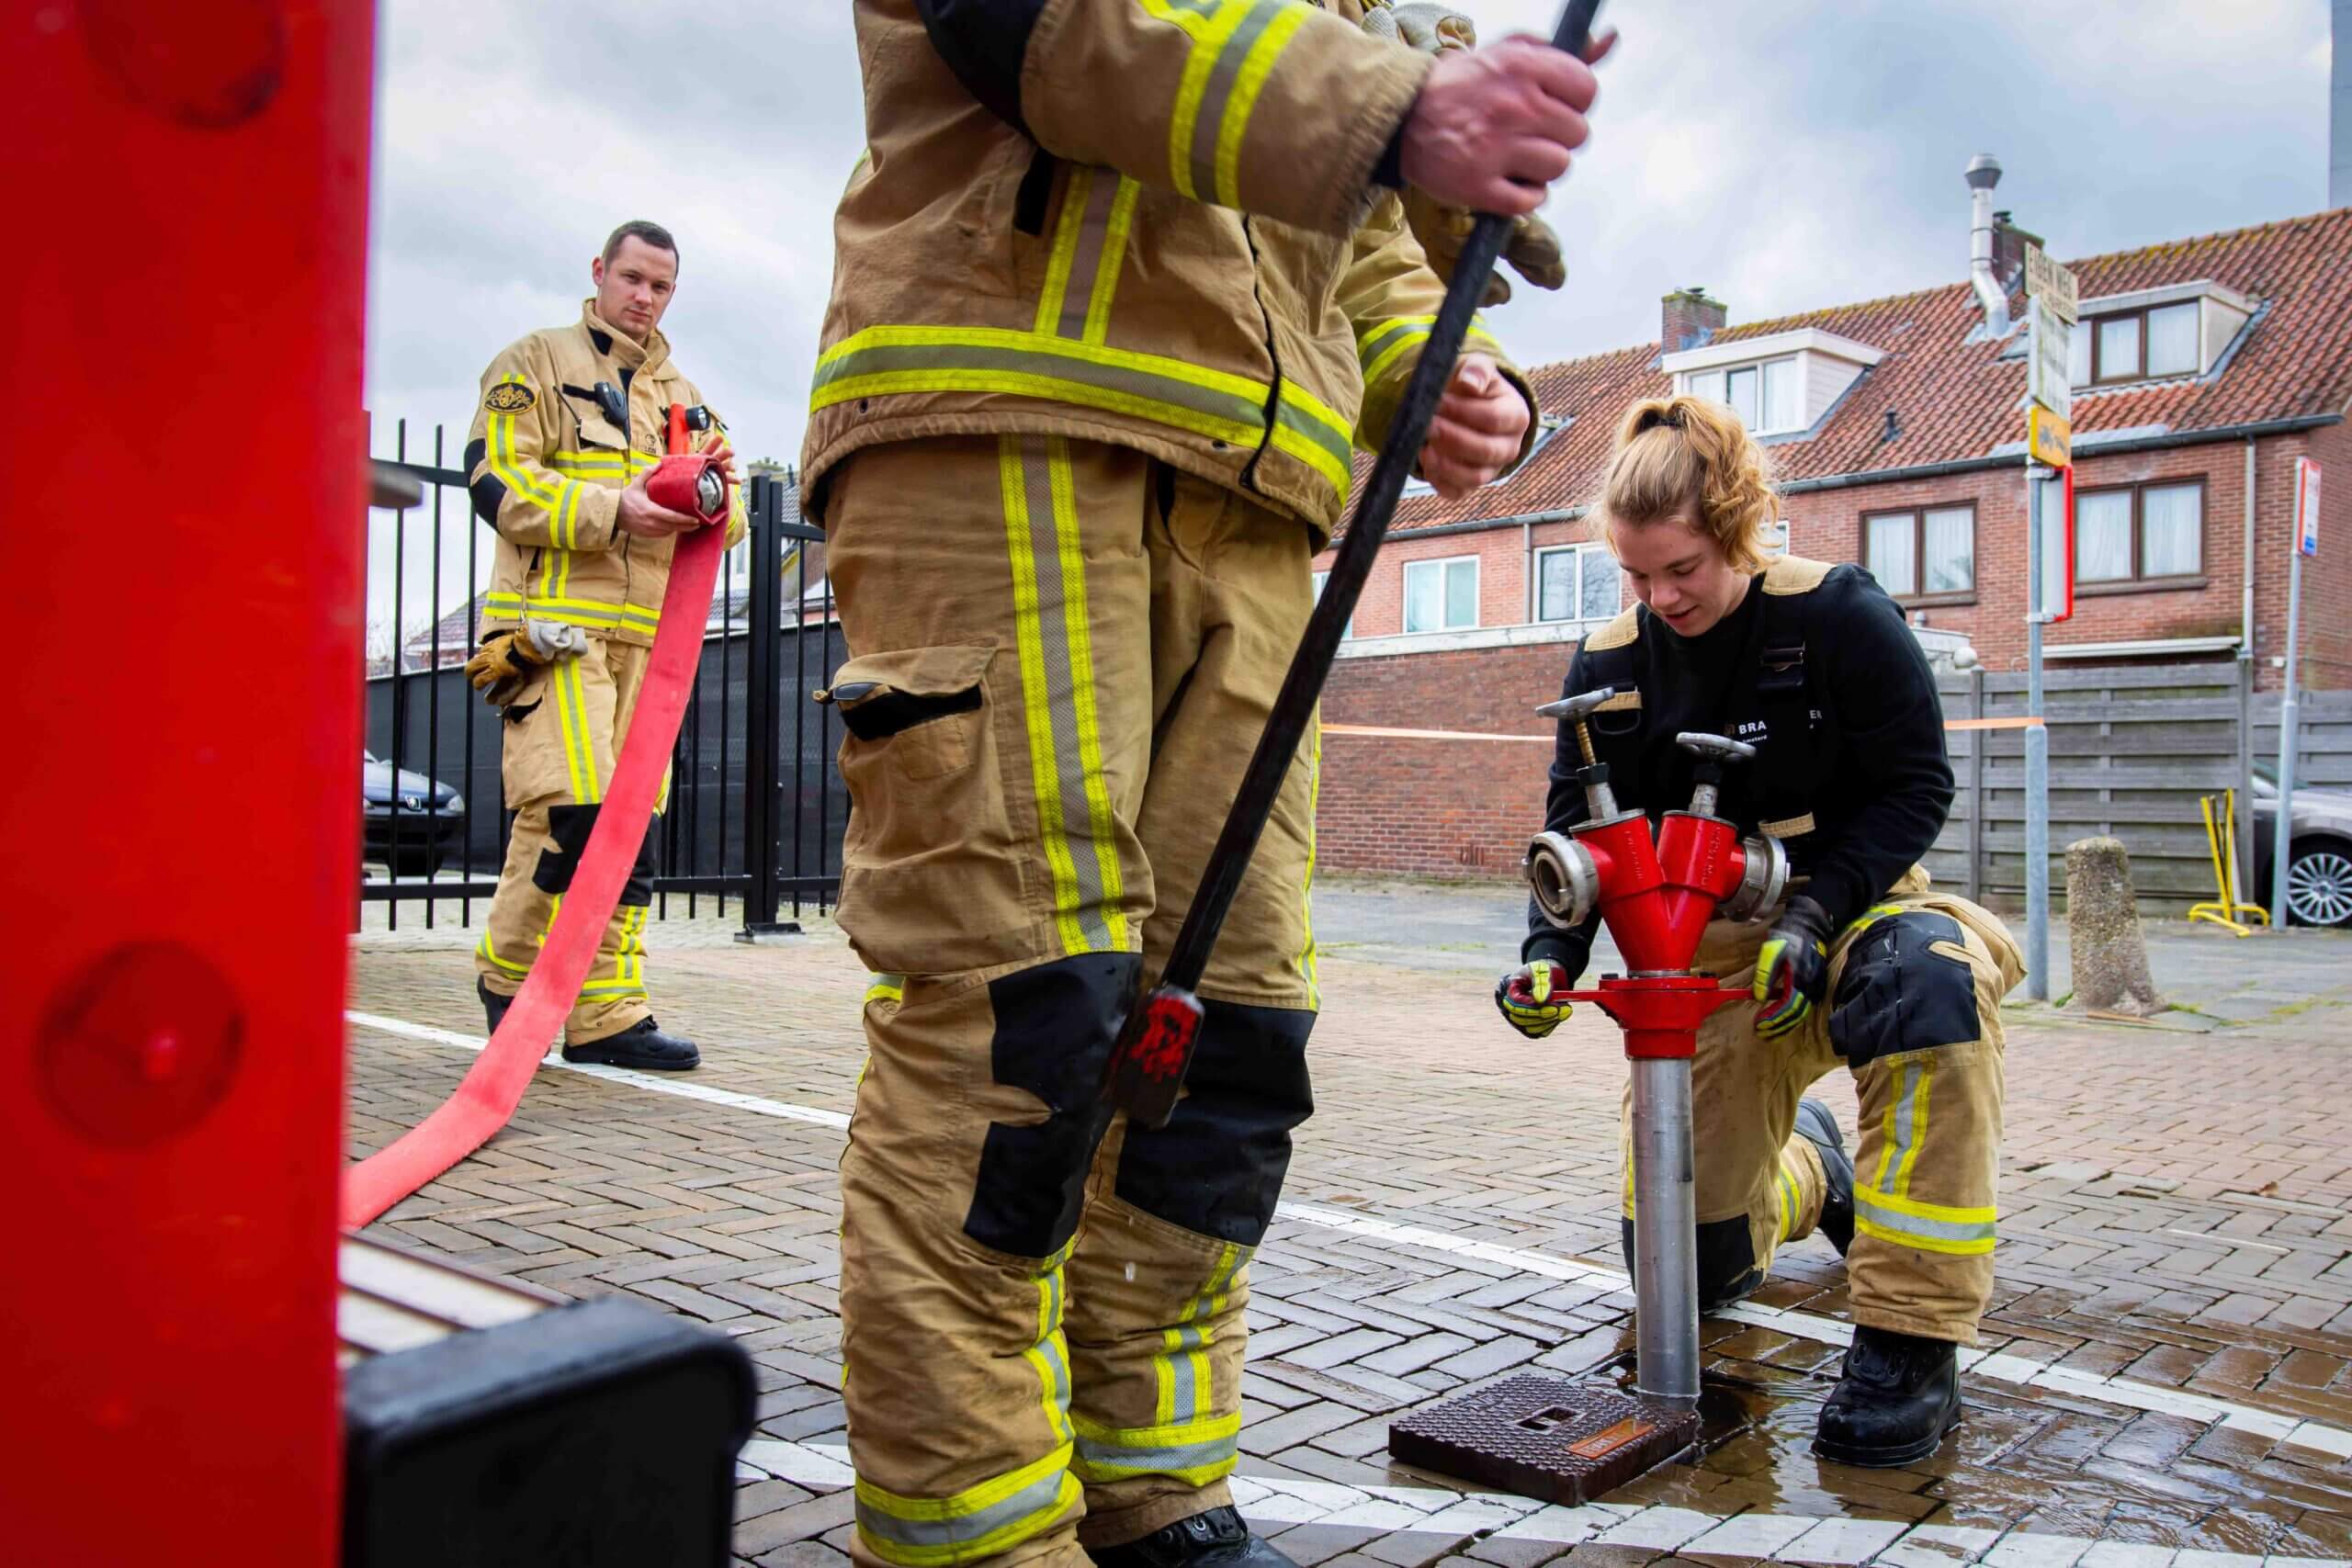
[{"x": 1527, "y": 998}]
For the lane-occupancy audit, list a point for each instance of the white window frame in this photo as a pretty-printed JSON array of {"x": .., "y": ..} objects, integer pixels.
[
  {"x": 1347, "y": 632},
  {"x": 1546, "y": 551},
  {"x": 1714, "y": 383},
  {"x": 1405, "y": 598}
]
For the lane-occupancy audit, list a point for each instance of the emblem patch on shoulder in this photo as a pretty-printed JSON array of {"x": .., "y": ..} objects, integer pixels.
[{"x": 509, "y": 397}]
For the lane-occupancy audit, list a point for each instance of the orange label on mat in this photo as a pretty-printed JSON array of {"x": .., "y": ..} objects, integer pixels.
[{"x": 1601, "y": 1444}]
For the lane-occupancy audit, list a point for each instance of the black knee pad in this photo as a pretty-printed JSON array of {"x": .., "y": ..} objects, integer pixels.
[
  {"x": 1898, "y": 994},
  {"x": 1218, "y": 1166},
  {"x": 1728, "y": 1271},
  {"x": 570, "y": 827},
  {"x": 1054, "y": 1028}
]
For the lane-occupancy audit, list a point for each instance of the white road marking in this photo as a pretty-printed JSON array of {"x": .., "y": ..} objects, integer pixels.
[
  {"x": 1440, "y": 1512},
  {"x": 2333, "y": 1442}
]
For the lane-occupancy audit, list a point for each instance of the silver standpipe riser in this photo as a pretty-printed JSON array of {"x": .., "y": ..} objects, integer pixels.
[{"x": 1665, "y": 1265}]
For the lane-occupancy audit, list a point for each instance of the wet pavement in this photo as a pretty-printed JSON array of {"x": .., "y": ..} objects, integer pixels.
[{"x": 2163, "y": 1378}]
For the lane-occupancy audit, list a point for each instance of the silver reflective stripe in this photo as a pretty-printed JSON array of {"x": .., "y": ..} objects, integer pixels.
[
  {"x": 1915, "y": 1225},
  {"x": 1077, "y": 826},
  {"x": 1209, "y": 124},
  {"x": 1315, "y": 430},
  {"x": 1037, "y": 1495},
  {"x": 1119, "y": 380},
  {"x": 1086, "y": 259},
  {"x": 1890, "y": 1160},
  {"x": 1093, "y": 1455}
]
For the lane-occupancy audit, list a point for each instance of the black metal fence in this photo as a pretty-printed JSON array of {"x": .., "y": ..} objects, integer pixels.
[{"x": 756, "y": 804}]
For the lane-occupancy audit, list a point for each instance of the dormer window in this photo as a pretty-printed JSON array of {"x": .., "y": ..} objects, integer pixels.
[
  {"x": 1769, "y": 397},
  {"x": 2181, "y": 329},
  {"x": 2132, "y": 346},
  {"x": 1780, "y": 383}
]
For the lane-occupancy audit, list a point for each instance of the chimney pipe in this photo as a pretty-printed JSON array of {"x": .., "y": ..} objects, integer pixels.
[
  {"x": 1984, "y": 174},
  {"x": 2339, "y": 106}
]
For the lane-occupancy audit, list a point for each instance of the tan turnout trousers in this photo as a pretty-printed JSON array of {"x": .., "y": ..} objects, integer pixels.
[
  {"x": 1912, "y": 1006},
  {"x": 561, "y": 738},
  {"x": 1062, "y": 655}
]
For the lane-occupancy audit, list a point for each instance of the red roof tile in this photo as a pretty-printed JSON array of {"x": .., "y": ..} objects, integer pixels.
[{"x": 1957, "y": 399}]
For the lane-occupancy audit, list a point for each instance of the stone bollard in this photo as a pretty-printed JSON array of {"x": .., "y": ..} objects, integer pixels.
[{"x": 2111, "y": 960}]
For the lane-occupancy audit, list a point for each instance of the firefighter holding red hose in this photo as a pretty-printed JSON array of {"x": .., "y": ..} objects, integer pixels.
[{"x": 572, "y": 425}]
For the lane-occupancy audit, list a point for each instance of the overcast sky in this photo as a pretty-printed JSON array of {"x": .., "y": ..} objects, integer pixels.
[{"x": 1785, "y": 156}]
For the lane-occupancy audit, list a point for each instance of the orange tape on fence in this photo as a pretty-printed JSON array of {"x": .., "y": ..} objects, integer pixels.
[
  {"x": 494, "y": 1086},
  {"x": 2020, "y": 722}
]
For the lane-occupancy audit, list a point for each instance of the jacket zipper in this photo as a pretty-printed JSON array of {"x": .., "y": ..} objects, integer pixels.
[{"x": 1274, "y": 390}]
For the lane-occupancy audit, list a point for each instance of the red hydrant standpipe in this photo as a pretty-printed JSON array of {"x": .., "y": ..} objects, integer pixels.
[
  {"x": 1657, "y": 898},
  {"x": 691, "y": 483}
]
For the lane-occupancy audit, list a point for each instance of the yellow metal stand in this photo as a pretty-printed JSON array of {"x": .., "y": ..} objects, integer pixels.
[{"x": 2222, "y": 839}]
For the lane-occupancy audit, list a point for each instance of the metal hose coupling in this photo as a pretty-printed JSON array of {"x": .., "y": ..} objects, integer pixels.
[
  {"x": 1762, "y": 883},
  {"x": 1561, "y": 875}
]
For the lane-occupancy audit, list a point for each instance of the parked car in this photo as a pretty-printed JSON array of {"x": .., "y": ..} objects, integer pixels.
[
  {"x": 429, "y": 824},
  {"x": 2319, "y": 852}
]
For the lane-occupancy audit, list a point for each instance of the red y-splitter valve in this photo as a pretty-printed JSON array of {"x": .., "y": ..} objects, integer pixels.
[{"x": 1656, "y": 897}]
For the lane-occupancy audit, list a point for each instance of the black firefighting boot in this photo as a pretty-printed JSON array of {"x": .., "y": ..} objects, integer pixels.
[
  {"x": 1216, "y": 1538},
  {"x": 642, "y": 1044},
  {"x": 493, "y": 1006},
  {"x": 1899, "y": 1396},
  {"x": 1817, "y": 1127}
]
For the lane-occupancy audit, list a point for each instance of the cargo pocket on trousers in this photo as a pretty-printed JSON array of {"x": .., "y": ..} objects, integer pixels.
[{"x": 932, "y": 881}]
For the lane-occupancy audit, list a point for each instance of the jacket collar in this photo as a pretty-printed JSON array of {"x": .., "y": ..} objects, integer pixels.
[{"x": 638, "y": 358}]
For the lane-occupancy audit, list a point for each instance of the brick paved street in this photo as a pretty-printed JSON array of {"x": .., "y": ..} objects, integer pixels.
[{"x": 2163, "y": 1373}]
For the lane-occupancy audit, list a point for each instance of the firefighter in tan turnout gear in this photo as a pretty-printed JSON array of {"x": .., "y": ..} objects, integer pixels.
[
  {"x": 1864, "y": 966},
  {"x": 571, "y": 421},
  {"x": 1121, "y": 286}
]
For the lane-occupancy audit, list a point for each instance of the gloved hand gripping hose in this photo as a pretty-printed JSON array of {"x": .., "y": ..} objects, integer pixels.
[{"x": 1154, "y": 1046}]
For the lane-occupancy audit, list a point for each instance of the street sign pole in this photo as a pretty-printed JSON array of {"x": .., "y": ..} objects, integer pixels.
[
  {"x": 2306, "y": 543},
  {"x": 2037, "y": 759},
  {"x": 2051, "y": 298}
]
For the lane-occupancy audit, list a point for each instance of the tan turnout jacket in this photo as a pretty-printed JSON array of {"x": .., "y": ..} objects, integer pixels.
[
  {"x": 547, "y": 468},
  {"x": 1178, "y": 248}
]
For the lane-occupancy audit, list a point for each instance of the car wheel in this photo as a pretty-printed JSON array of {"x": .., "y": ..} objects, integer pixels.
[{"x": 2319, "y": 883}]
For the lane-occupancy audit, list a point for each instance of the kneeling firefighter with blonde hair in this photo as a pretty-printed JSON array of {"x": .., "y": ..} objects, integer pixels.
[{"x": 1862, "y": 965}]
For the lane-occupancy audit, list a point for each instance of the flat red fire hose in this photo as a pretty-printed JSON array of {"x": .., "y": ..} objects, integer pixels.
[{"x": 494, "y": 1086}]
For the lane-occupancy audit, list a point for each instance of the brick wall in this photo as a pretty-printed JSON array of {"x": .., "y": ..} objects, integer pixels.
[{"x": 1465, "y": 807}]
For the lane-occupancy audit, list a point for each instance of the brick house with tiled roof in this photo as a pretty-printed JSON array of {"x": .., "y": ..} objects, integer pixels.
[{"x": 1896, "y": 431}]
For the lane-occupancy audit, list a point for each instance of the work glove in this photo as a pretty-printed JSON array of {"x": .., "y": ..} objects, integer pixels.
[
  {"x": 504, "y": 666},
  {"x": 1792, "y": 969},
  {"x": 1526, "y": 997},
  {"x": 1532, "y": 249}
]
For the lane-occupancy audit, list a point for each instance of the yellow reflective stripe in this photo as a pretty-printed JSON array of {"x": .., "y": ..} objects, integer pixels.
[
  {"x": 487, "y": 951},
  {"x": 885, "y": 989},
  {"x": 981, "y": 1521},
  {"x": 1080, "y": 638},
  {"x": 1009, "y": 340},
  {"x": 1919, "y": 1130},
  {"x": 1256, "y": 66},
  {"x": 585, "y": 612},
  {"x": 1050, "y": 1355},
  {"x": 1317, "y": 456},
  {"x": 510, "y": 472},
  {"x": 1036, "y": 711},
  {"x": 1791, "y": 1199},
  {"x": 568, "y": 724},
  {"x": 603, "y": 461},
  {"x": 1209, "y": 43},
  {"x": 1973, "y": 1247},
  {"x": 1181, "y": 1369},
  {"x": 1065, "y": 247},
  {"x": 1196, "y": 1452},
  {"x": 1308, "y": 968},
  {"x": 1387, "y": 356},
  {"x": 1114, "y": 257}
]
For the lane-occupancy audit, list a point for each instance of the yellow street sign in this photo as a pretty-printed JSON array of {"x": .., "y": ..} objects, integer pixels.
[{"x": 2048, "y": 438}]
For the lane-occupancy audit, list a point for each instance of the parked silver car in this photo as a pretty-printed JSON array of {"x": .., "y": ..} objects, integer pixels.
[{"x": 2318, "y": 853}]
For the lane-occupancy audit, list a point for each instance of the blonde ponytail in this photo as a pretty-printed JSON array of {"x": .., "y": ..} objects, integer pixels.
[{"x": 1691, "y": 458}]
